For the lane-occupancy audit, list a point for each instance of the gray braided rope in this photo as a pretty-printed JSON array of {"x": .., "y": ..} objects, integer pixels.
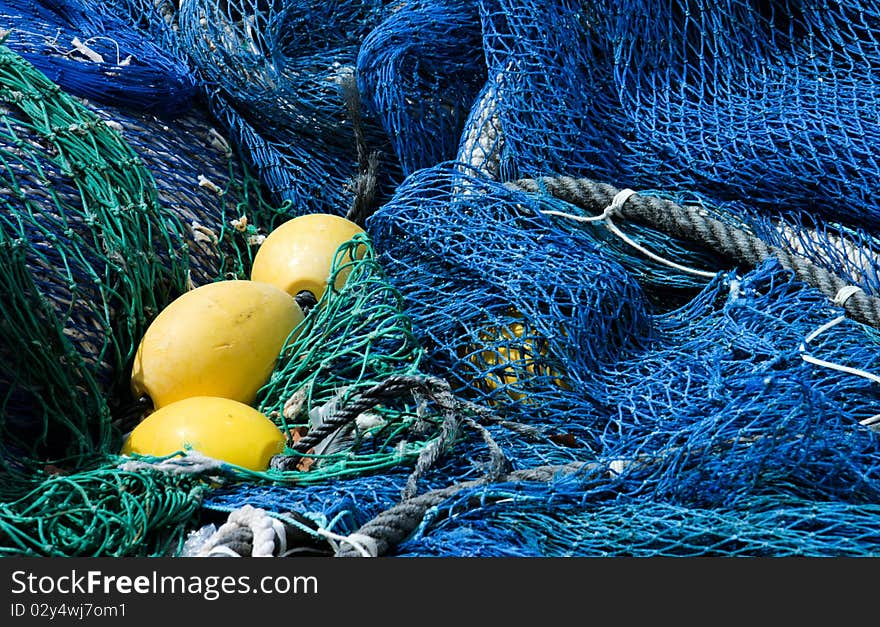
[
  {"x": 395, "y": 386},
  {"x": 451, "y": 408},
  {"x": 394, "y": 525},
  {"x": 390, "y": 387},
  {"x": 691, "y": 223}
]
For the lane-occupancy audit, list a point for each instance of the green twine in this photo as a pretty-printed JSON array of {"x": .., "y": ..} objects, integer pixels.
[
  {"x": 88, "y": 258},
  {"x": 102, "y": 512},
  {"x": 355, "y": 337}
]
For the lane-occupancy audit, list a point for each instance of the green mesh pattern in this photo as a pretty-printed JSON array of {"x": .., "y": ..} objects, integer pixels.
[
  {"x": 88, "y": 258},
  {"x": 354, "y": 338},
  {"x": 100, "y": 512}
]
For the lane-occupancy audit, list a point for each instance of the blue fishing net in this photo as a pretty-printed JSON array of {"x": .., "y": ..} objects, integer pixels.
[
  {"x": 419, "y": 72},
  {"x": 86, "y": 48},
  {"x": 718, "y": 406},
  {"x": 276, "y": 75},
  {"x": 717, "y": 437}
]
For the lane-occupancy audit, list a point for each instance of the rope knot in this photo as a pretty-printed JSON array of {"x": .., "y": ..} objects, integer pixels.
[
  {"x": 617, "y": 202},
  {"x": 845, "y": 293}
]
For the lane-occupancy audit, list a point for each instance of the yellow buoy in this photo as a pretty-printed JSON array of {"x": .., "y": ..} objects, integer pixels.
[
  {"x": 298, "y": 255},
  {"x": 518, "y": 359},
  {"x": 219, "y": 428},
  {"x": 220, "y": 339}
]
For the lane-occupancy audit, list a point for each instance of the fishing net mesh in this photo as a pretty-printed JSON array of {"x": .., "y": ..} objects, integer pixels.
[{"x": 685, "y": 403}]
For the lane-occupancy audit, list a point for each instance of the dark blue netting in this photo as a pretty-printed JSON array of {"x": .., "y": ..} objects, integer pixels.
[
  {"x": 88, "y": 252},
  {"x": 87, "y": 48},
  {"x": 729, "y": 408},
  {"x": 276, "y": 74},
  {"x": 419, "y": 72},
  {"x": 774, "y": 103},
  {"x": 203, "y": 182},
  {"x": 505, "y": 302}
]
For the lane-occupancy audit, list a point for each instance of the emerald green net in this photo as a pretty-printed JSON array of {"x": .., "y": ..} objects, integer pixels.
[{"x": 88, "y": 257}]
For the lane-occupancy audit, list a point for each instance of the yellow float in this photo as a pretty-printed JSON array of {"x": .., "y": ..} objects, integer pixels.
[
  {"x": 298, "y": 255},
  {"x": 517, "y": 358},
  {"x": 219, "y": 428},
  {"x": 220, "y": 339}
]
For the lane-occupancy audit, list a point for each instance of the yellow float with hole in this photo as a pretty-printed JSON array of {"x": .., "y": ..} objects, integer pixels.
[
  {"x": 220, "y": 428},
  {"x": 298, "y": 255},
  {"x": 220, "y": 339}
]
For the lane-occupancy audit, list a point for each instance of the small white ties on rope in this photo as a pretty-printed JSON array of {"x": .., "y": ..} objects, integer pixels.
[
  {"x": 363, "y": 544},
  {"x": 839, "y": 299},
  {"x": 616, "y": 204},
  {"x": 617, "y": 466},
  {"x": 87, "y": 52},
  {"x": 844, "y": 294}
]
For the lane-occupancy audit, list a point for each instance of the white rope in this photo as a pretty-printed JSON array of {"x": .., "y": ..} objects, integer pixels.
[
  {"x": 611, "y": 227},
  {"x": 812, "y": 336},
  {"x": 268, "y": 533},
  {"x": 266, "y": 530},
  {"x": 616, "y": 205},
  {"x": 617, "y": 466},
  {"x": 827, "y": 364},
  {"x": 577, "y": 218},
  {"x": 264, "y": 537},
  {"x": 846, "y": 369},
  {"x": 220, "y": 550},
  {"x": 872, "y": 423},
  {"x": 214, "y": 544},
  {"x": 363, "y": 544}
]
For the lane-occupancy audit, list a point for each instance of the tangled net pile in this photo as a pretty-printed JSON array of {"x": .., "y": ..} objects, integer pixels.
[{"x": 616, "y": 294}]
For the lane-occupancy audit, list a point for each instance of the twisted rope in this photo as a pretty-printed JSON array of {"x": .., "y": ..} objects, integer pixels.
[
  {"x": 396, "y": 524},
  {"x": 693, "y": 224},
  {"x": 393, "y": 386},
  {"x": 253, "y": 532},
  {"x": 435, "y": 389}
]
